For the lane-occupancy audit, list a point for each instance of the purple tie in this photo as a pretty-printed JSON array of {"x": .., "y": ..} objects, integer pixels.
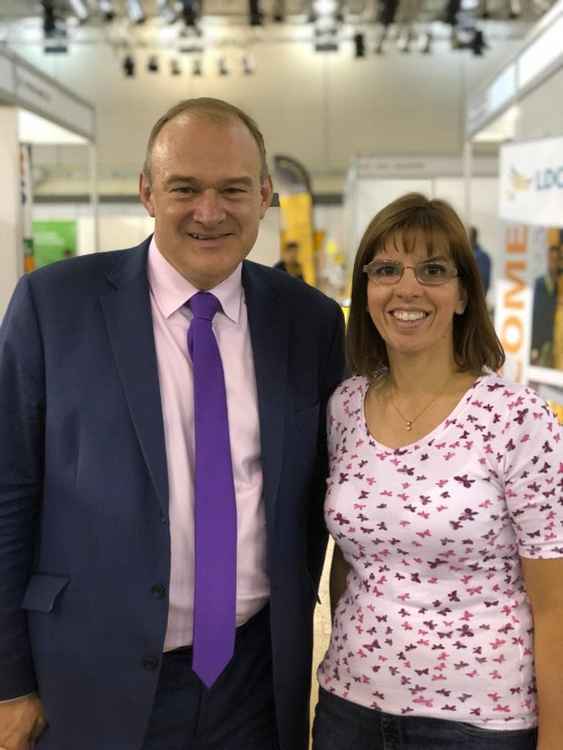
[{"x": 215, "y": 506}]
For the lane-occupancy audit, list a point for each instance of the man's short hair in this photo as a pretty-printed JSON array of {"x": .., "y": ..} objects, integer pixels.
[{"x": 215, "y": 110}]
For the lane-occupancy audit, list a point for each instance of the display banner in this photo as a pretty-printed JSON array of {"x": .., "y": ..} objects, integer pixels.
[
  {"x": 297, "y": 219},
  {"x": 529, "y": 304},
  {"x": 53, "y": 240},
  {"x": 531, "y": 182},
  {"x": 513, "y": 303}
]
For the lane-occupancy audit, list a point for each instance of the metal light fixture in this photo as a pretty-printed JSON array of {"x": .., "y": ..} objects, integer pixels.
[
  {"x": 175, "y": 69},
  {"x": 135, "y": 12},
  {"x": 106, "y": 9},
  {"x": 222, "y": 67},
  {"x": 129, "y": 66},
  {"x": 167, "y": 11},
  {"x": 152, "y": 64},
  {"x": 80, "y": 10}
]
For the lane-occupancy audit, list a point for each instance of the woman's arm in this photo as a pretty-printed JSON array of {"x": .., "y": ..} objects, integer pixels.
[
  {"x": 544, "y": 584},
  {"x": 339, "y": 569}
]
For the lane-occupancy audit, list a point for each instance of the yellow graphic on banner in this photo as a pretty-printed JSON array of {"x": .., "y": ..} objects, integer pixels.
[{"x": 297, "y": 216}]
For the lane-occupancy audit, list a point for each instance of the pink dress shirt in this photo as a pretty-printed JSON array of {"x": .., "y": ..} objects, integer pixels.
[{"x": 169, "y": 292}]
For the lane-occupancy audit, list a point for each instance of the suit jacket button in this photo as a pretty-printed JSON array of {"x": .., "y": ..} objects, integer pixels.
[
  {"x": 158, "y": 591},
  {"x": 150, "y": 663}
]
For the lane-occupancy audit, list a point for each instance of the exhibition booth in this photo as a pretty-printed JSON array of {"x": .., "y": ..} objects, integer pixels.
[
  {"x": 34, "y": 110},
  {"x": 519, "y": 107}
]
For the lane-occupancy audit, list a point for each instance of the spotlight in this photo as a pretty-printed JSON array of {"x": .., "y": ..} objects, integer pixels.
[
  {"x": 80, "y": 10},
  {"x": 451, "y": 12},
  {"x": 359, "y": 45},
  {"x": 197, "y": 68},
  {"x": 248, "y": 65},
  {"x": 426, "y": 48},
  {"x": 49, "y": 18},
  {"x": 136, "y": 12},
  {"x": 175, "y": 69},
  {"x": 190, "y": 12},
  {"x": 129, "y": 66},
  {"x": 478, "y": 43},
  {"x": 387, "y": 12},
  {"x": 222, "y": 68},
  {"x": 168, "y": 14},
  {"x": 278, "y": 11},
  {"x": 107, "y": 9},
  {"x": 254, "y": 13},
  {"x": 152, "y": 64}
]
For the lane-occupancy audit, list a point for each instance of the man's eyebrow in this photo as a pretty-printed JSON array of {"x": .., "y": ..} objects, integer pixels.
[{"x": 242, "y": 180}]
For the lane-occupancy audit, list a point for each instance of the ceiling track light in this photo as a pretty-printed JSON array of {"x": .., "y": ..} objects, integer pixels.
[
  {"x": 152, "y": 64},
  {"x": 248, "y": 65},
  {"x": 128, "y": 66},
  {"x": 222, "y": 67},
  {"x": 80, "y": 10},
  {"x": 168, "y": 12},
  {"x": 197, "y": 68},
  {"x": 190, "y": 12},
  {"x": 106, "y": 9},
  {"x": 175, "y": 69},
  {"x": 49, "y": 17},
  {"x": 135, "y": 12}
]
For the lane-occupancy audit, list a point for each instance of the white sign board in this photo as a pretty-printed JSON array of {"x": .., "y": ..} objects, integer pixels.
[{"x": 531, "y": 182}]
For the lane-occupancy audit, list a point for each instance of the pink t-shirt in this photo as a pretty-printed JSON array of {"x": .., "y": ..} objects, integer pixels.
[{"x": 435, "y": 620}]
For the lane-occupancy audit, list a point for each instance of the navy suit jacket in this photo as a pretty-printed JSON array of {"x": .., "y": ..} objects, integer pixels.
[{"x": 84, "y": 534}]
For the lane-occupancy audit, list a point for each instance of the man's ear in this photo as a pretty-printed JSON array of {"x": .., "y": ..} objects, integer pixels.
[
  {"x": 145, "y": 193},
  {"x": 266, "y": 193}
]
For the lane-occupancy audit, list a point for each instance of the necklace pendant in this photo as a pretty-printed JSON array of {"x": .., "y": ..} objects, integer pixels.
[{"x": 408, "y": 425}]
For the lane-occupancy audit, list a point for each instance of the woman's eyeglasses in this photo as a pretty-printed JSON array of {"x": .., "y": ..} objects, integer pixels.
[{"x": 427, "y": 272}]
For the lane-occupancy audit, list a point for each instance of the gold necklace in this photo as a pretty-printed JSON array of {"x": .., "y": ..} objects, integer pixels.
[{"x": 409, "y": 422}]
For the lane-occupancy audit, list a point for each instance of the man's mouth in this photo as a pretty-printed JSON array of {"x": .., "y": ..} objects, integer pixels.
[{"x": 199, "y": 236}]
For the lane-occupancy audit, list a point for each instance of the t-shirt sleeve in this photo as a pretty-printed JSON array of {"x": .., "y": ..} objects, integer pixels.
[{"x": 533, "y": 478}]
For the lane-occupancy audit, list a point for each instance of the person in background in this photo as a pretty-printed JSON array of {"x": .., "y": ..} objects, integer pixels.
[
  {"x": 162, "y": 471},
  {"x": 289, "y": 261},
  {"x": 482, "y": 259},
  {"x": 445, "y": 503},
  {"x": 543, "y": 312}
]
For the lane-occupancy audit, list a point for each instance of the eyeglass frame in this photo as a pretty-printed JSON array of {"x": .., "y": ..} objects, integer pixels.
[{"x": 454, "y": 272}]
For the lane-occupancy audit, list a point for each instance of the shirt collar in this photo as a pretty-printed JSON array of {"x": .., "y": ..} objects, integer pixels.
[{"x": 172, "y": 290}]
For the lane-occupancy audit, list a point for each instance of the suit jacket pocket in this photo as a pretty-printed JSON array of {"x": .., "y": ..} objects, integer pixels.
[{"x": 42, "y": 592}]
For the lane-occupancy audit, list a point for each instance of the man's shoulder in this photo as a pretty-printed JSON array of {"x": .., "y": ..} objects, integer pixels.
[{"x": 88, "y": 270}]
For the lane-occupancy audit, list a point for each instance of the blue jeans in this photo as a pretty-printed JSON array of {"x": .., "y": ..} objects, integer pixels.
[{"x": 342, "y": 725}]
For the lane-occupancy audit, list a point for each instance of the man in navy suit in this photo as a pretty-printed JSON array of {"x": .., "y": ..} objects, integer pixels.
[{"x": 97, "y": 468}]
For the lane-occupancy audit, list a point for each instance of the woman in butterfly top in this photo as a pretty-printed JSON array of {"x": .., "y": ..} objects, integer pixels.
[{"x": 445, "y": 502}]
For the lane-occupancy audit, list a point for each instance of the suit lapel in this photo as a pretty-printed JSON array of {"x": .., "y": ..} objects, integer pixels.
[
  {"x": 128, "y": 317},
  {"x": 269, "y": 333}
]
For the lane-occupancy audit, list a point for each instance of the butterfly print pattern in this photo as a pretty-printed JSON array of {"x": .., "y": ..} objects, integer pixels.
[{"x": 435, "y": 620}]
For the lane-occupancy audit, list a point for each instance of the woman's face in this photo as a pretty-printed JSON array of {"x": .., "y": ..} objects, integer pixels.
[{"x": 412, "y": 317}]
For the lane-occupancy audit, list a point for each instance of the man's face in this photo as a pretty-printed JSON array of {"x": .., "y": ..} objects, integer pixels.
[{"x": 206, "y": 196}]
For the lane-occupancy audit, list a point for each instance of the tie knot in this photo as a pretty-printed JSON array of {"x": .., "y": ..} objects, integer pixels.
[{"x": 204, "y": 305}]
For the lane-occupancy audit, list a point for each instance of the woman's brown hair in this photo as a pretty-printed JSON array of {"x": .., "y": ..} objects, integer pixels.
[{"x": 476, "y": 344}]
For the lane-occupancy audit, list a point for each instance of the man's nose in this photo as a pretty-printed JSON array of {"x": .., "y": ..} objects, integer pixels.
[{"x": 208, "y": 208}]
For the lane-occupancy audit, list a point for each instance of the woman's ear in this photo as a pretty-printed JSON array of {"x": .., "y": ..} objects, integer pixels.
[{"x": 462, "y": 302}]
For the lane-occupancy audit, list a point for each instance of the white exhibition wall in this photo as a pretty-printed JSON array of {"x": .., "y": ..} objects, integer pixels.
[
  {"x": 371, "y": 195},
  {"x": 124, "y": 225}
]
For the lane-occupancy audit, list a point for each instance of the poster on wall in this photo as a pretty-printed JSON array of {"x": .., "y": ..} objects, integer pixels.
[
  {"x": 531, "y": 182},
  {"x": 53, "y": 240},
  {"x": 529, "y": 311}
]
